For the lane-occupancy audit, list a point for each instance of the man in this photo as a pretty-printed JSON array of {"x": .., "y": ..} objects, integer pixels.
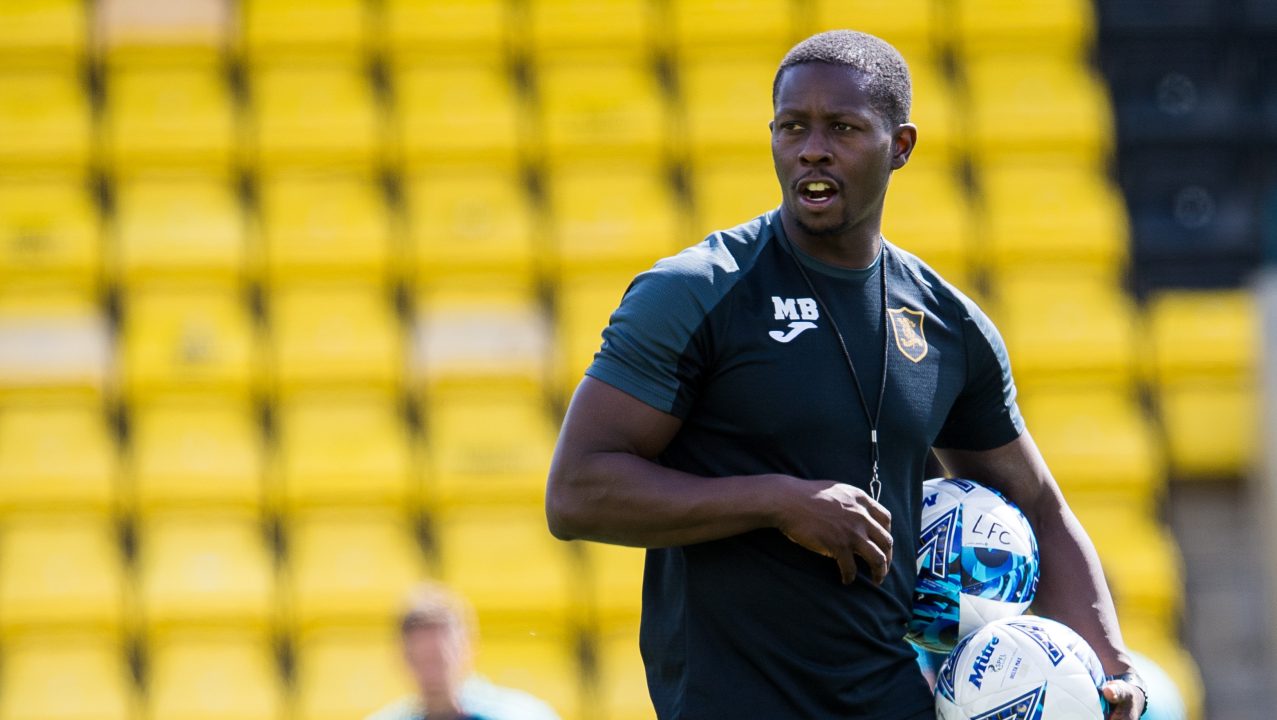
[
  {"x": 436, "y": 631},
  {"x": 760, "y": 419}
]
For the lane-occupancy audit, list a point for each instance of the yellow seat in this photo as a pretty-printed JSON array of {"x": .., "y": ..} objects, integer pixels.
[
  {"x": 731, "y": 190},
  {"x": 452, "y": 112},
  {"x": 1038, "y": 106},
  {"x": 941, "y": 135},
  {"x": 343, "y": 450},
  {"x": 56, "y": 454},
  {"x": 1052, "y": 216},
  {"x": 480, "y": 332},
  {"x": 906, "y": 24},
  {"x": 60, "y": 571},
  {"x": 200, "y": 452},
  {"x": 701, "y": 27},
  {"x": 489, "y": 448},
  {"x": 1203, "y": 335},
  {"x": 627, "y": 226},
  {"x": 623, "y": 693},
  {"x": 474, "y": 29},
  {"x": 213, "y": 676},
  {"x": 349, "y": 566},
  {"x": 1212, "y": 428},
  {"x": 278, "y": 28},
  {"x": 941, "y": 235},
  {"x": 49, "y": 231},
  {"x": 52, "y": 342},
  {"x": 616, "y": 583},
  {"x": 1063, "y": 329},
  {"x": 345, "y": 673},
  {"x": 543, "y": 664},
  {"x": 583, "y": 306},
  {"x": 316, "y": 115},
  {"x": 52, "y": 31},
  {"x": 1096, "y": 441},
  {"x": 179, "y": 227},
  {"x": 337, "y": 335},
  {"x": 324, "y": 225},
  {"x": 1012, "y": 27},
  {"x": 205, "y": 569},
  {"x": 130, "y": 33},
  {"x": 44, "y": 119},
  {"x": 727, "y": 104},
  {"x": 470, "y": 219},
  {"x": 590, "y": 28},
  {"x": 177, "y": 340},
  {"x": 169, "y": 115},
  {"x": 531, "y": 588},
  {"x": 607, "y": 108},
  {"x": 66, "y": 677},
  {"x": 1140, "y": 558}
]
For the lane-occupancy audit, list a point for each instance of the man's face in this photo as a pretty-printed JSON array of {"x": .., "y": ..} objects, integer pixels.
[
  {"x": 438, "y": 656},
  {"x": 833, "y": 152}
]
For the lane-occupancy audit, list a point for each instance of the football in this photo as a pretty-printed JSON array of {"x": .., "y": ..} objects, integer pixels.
[
  {"x": 1021, "y": 668},
  {"x": 977, "y": 562}
]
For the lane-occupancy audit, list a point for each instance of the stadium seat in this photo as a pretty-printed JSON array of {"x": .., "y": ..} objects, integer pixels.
[
  {"x": 130, "y": 33},
  {"x": 338, "y": 335},
  {"x": 927, "y": 213},
  {"x": 942, "y": 136},
  {"x": 1140, "y": 560},
  {"x": 467, "y": 112},
  {"x": 1203, "y": 335},
  {"x": 45, "y": 120},
  {"x": 1096, "y": 440},
  {"x": 703, "y": 27},
  {"x": 472, "y": 218},
  {"x": 481, "y": 332},
  {"x": 324, "y": 226},
  {"x": 182, "y": 227},
  {"x": 1052, "y": 216},
  {"x": 726, "y": 104},
  {"x": 583, "y": 306},
  {"x": 49, "y": 231},
  {"x": 196, "y": 452},
  {"x": 616, "y": 583},
  {"x": 345, "y": 673},
  {"x": 590, "y": 29},
  {"x": 213, "y": 676},
  {"x": 205, "y": 569},
  {"x": 178, "y": 340},
  {"x": 1067, "y": 328},
  {"x": 52, "y": 342},
  {"x": 1012, "y": 28},
  {"x": 42, "y": 32},
  {"x": 341, "y": 450},
  {"x": 612, "y": 217},
  {"x": 56, "y": 454},
  {"x": 601, "y": 109},
  {"x": 284, "y": 28},
  {"x": 169, "y": 116},
  {"x": 728, "y": 191},
  {"x": 1038, "y": 107},
  {"x": 531, "y": 588},
  {"x": 910, "y": 25},
  {"x": 543, "y": 664},
  {"x": 488, "y": 448},
  {"x": 622, "y": 681},
  {"x": 317, "y": 115},
  {"x": 60, "y": 571},
  {"x": 66, "y": 677},
  {"x": 1212, "y": 428},
  {"x": 472, "y": 29},
  {"x": 348, "y": 566}
]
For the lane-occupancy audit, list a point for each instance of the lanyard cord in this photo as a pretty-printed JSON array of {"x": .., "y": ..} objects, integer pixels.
[{"x": 875, "y": 485}]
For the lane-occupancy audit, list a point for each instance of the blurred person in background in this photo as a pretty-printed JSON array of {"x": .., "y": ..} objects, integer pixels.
[{"x": 437, "y": 628}]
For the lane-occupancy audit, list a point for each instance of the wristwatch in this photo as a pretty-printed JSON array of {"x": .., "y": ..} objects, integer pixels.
[{"x": 1134, "y": 679}]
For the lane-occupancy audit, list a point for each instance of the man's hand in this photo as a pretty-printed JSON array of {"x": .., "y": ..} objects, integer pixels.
[
  {"x": 839, "y": 521},
  {"x": 1126, "y": 701}
]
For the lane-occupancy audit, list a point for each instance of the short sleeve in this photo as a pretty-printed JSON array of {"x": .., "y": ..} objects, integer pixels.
[
  {"x": 984, "y": 415},
  {"x": 648, "y": 346}
]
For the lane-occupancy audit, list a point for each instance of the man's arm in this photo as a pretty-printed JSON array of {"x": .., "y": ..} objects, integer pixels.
[
  {"x": 1071, "y": 588},
  {"x": 605, "y": 485}
]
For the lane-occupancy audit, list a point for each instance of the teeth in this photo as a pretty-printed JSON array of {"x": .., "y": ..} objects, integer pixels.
[{"x": 817, "y": 187}]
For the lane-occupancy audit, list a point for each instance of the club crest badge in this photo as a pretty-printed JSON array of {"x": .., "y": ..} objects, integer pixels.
[{"x": 911, "y": 340}]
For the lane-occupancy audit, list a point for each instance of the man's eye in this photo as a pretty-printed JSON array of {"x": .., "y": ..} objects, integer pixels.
[
  {"x": 791, "y": 126},
  {"x": 843, "y": 127}
]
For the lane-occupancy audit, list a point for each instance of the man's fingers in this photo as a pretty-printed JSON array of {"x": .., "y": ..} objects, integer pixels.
[
  {"x": 875, "y": 557},
  {"x": 1121, "y": 697},
  {"x": 847, "y": 566},
  {"x": 880, "y": 514}
]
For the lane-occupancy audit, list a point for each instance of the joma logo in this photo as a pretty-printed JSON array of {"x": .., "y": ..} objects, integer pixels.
[{"x": 795, "y": 308}]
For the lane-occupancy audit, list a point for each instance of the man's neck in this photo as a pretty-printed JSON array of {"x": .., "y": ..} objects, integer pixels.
[
  {"x": 442, "y": 707},
  {"x": 856, "y": 247}
]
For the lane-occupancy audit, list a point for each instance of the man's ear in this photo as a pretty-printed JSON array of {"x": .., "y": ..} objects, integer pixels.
[{"x": 903, "y": 141}]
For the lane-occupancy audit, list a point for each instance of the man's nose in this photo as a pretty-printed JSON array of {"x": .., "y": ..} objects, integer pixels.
[{"x": 815, "y": 150}]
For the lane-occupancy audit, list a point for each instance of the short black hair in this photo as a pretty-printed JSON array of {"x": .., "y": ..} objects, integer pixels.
[{"x": 890, "y": 89}]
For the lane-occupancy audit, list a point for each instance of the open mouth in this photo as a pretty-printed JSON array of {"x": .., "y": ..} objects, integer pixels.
[{"x": 816, "y": 193}]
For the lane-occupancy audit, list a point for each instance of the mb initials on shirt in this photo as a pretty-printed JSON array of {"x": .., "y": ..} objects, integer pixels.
[{"x": 800, "y": 310}]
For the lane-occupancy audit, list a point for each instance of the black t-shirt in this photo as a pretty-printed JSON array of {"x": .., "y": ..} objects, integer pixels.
[{"x": 728, "y": 337}]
